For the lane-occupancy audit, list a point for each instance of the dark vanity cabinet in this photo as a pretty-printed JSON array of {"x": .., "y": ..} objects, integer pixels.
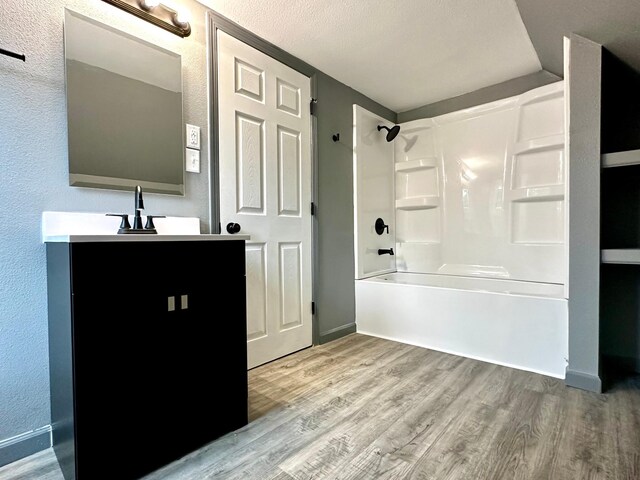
[{"x": 148, "y": 351}]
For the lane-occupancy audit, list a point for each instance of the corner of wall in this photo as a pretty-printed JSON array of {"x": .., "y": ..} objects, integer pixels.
[
  {"x": 336, "y": 333},
  {"x": 584, "y": 104}
]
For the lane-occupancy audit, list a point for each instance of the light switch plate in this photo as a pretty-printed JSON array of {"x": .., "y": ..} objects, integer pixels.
[
  {"x": 193, "y": 137},
  {"x": 193, "y": 160}
]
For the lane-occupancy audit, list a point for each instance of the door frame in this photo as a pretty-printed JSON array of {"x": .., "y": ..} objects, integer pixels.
[{"x": 216, "y": 22}]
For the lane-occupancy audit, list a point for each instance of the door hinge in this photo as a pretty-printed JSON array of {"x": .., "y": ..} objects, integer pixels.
[
  {"x": 313, "y": 308},
  {"x": 313, "y": 208},
  {"x": 312, "y": 106}
]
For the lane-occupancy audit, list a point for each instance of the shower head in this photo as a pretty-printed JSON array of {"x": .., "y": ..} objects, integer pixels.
[{"x": 391, "y": 132}]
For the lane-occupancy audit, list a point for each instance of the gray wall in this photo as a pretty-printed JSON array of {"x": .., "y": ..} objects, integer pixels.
[
  {"x": 583, "y": 370},
  {"x": 510, "y": 88},
  {"x": 34, "y": 178},
  {"x": 335, "y": 279}
]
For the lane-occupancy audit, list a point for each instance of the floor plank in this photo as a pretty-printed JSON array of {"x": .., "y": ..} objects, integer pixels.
[{"x": 366, "y": 408}]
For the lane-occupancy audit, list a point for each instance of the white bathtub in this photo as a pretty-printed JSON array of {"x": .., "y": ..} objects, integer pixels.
[{"x": 522, "y": 325}]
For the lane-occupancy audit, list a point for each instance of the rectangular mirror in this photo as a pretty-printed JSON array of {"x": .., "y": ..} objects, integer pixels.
[{"x": 124, "y": 110}]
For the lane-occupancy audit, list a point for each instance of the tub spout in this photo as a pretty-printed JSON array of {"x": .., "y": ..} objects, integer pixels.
[{"x": 385, "y": 251}]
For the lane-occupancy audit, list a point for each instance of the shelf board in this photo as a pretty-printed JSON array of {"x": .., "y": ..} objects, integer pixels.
[
  {"x": 402, "y": 243},
  {"x": 418, "y": 164},
  {"x": 538, "y": 144},
  {"x": 418, "y": 203},
  {"x": 621, "y": 159},
  {"x": 543, "y": 193},
  {"x": 627, "y": 256}
]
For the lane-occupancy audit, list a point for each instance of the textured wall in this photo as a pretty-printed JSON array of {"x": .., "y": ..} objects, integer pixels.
[{"x": 34, "y": 178}]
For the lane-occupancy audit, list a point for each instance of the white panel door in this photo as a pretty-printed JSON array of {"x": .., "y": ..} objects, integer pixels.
[{"x": 265, "y": 186}]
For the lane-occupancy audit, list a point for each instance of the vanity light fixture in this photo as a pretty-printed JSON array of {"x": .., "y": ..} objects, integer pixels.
[{"x": 157, "y": 13}]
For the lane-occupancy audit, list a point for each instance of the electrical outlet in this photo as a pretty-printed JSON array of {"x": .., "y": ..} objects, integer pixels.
[
  {"x": 193, "y": 137},
  {"x": 193, "y": 160}
]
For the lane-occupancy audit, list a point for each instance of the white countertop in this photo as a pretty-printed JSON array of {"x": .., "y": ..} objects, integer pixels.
[
  {"x": 77, "y": 227},
  {"x": 141, "y": 238}
]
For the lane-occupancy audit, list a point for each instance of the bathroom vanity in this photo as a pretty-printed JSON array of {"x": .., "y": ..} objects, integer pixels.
[{"x": 138, "y": 345}]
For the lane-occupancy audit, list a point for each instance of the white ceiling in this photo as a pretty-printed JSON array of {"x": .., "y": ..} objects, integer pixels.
[{"x": 400, "y": 53}]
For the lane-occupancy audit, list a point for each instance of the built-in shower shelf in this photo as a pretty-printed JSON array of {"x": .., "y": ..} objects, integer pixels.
[
  {"x": 538, "y": 194},
  {"x": 410, "y": 243},
  {"x": 627, "y": 256},
  {"x": 418, "y": 164},
  {"x": 621, "y": 159},
  {"x": 537, "y": 144},
  {"x": 418, "y": 203}
]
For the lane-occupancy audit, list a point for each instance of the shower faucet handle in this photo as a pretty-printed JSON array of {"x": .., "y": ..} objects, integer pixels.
[
  {"x": 385, "y": 251},
  {"x": 380, "y": 226}
]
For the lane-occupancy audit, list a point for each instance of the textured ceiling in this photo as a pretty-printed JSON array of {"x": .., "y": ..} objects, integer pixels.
[
  {"x": 400, "y": 53},
  {"x": 612, "y": 23}
]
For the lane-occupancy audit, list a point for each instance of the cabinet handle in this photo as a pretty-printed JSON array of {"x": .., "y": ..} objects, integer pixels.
[{"x": 184, "y": 302}]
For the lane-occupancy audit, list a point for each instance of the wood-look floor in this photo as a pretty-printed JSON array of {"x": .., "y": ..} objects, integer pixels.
[{"x": 367, "y": 408}]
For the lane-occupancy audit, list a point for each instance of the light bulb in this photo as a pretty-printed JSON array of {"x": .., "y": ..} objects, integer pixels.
[
  {"x": 149, "y": 4},
  {"x": 182, "y": 18}
]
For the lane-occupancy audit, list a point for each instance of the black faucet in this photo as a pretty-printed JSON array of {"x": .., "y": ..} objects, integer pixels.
[
  {"x": 385, "y": 251},
  {"x": 125, "y": 227},
  {"x": 139, "y": 205}
]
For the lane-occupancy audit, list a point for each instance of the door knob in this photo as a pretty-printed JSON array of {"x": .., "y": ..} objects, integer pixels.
[{"x": 233, "y": 227}]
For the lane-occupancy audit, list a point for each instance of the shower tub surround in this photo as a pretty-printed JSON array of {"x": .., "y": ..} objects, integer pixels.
[
  {"x": 516, "y": 324},
  {"x": 475, "y": 203}
]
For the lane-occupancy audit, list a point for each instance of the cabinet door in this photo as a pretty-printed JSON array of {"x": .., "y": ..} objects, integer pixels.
[
  {"x": 120, "y": 293},
  {"x": 207, "y": 367},
  {"x": 145, "y": 373}
]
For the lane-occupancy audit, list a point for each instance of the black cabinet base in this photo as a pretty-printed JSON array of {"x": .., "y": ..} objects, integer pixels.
[{"x": 134, "y": 355}]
